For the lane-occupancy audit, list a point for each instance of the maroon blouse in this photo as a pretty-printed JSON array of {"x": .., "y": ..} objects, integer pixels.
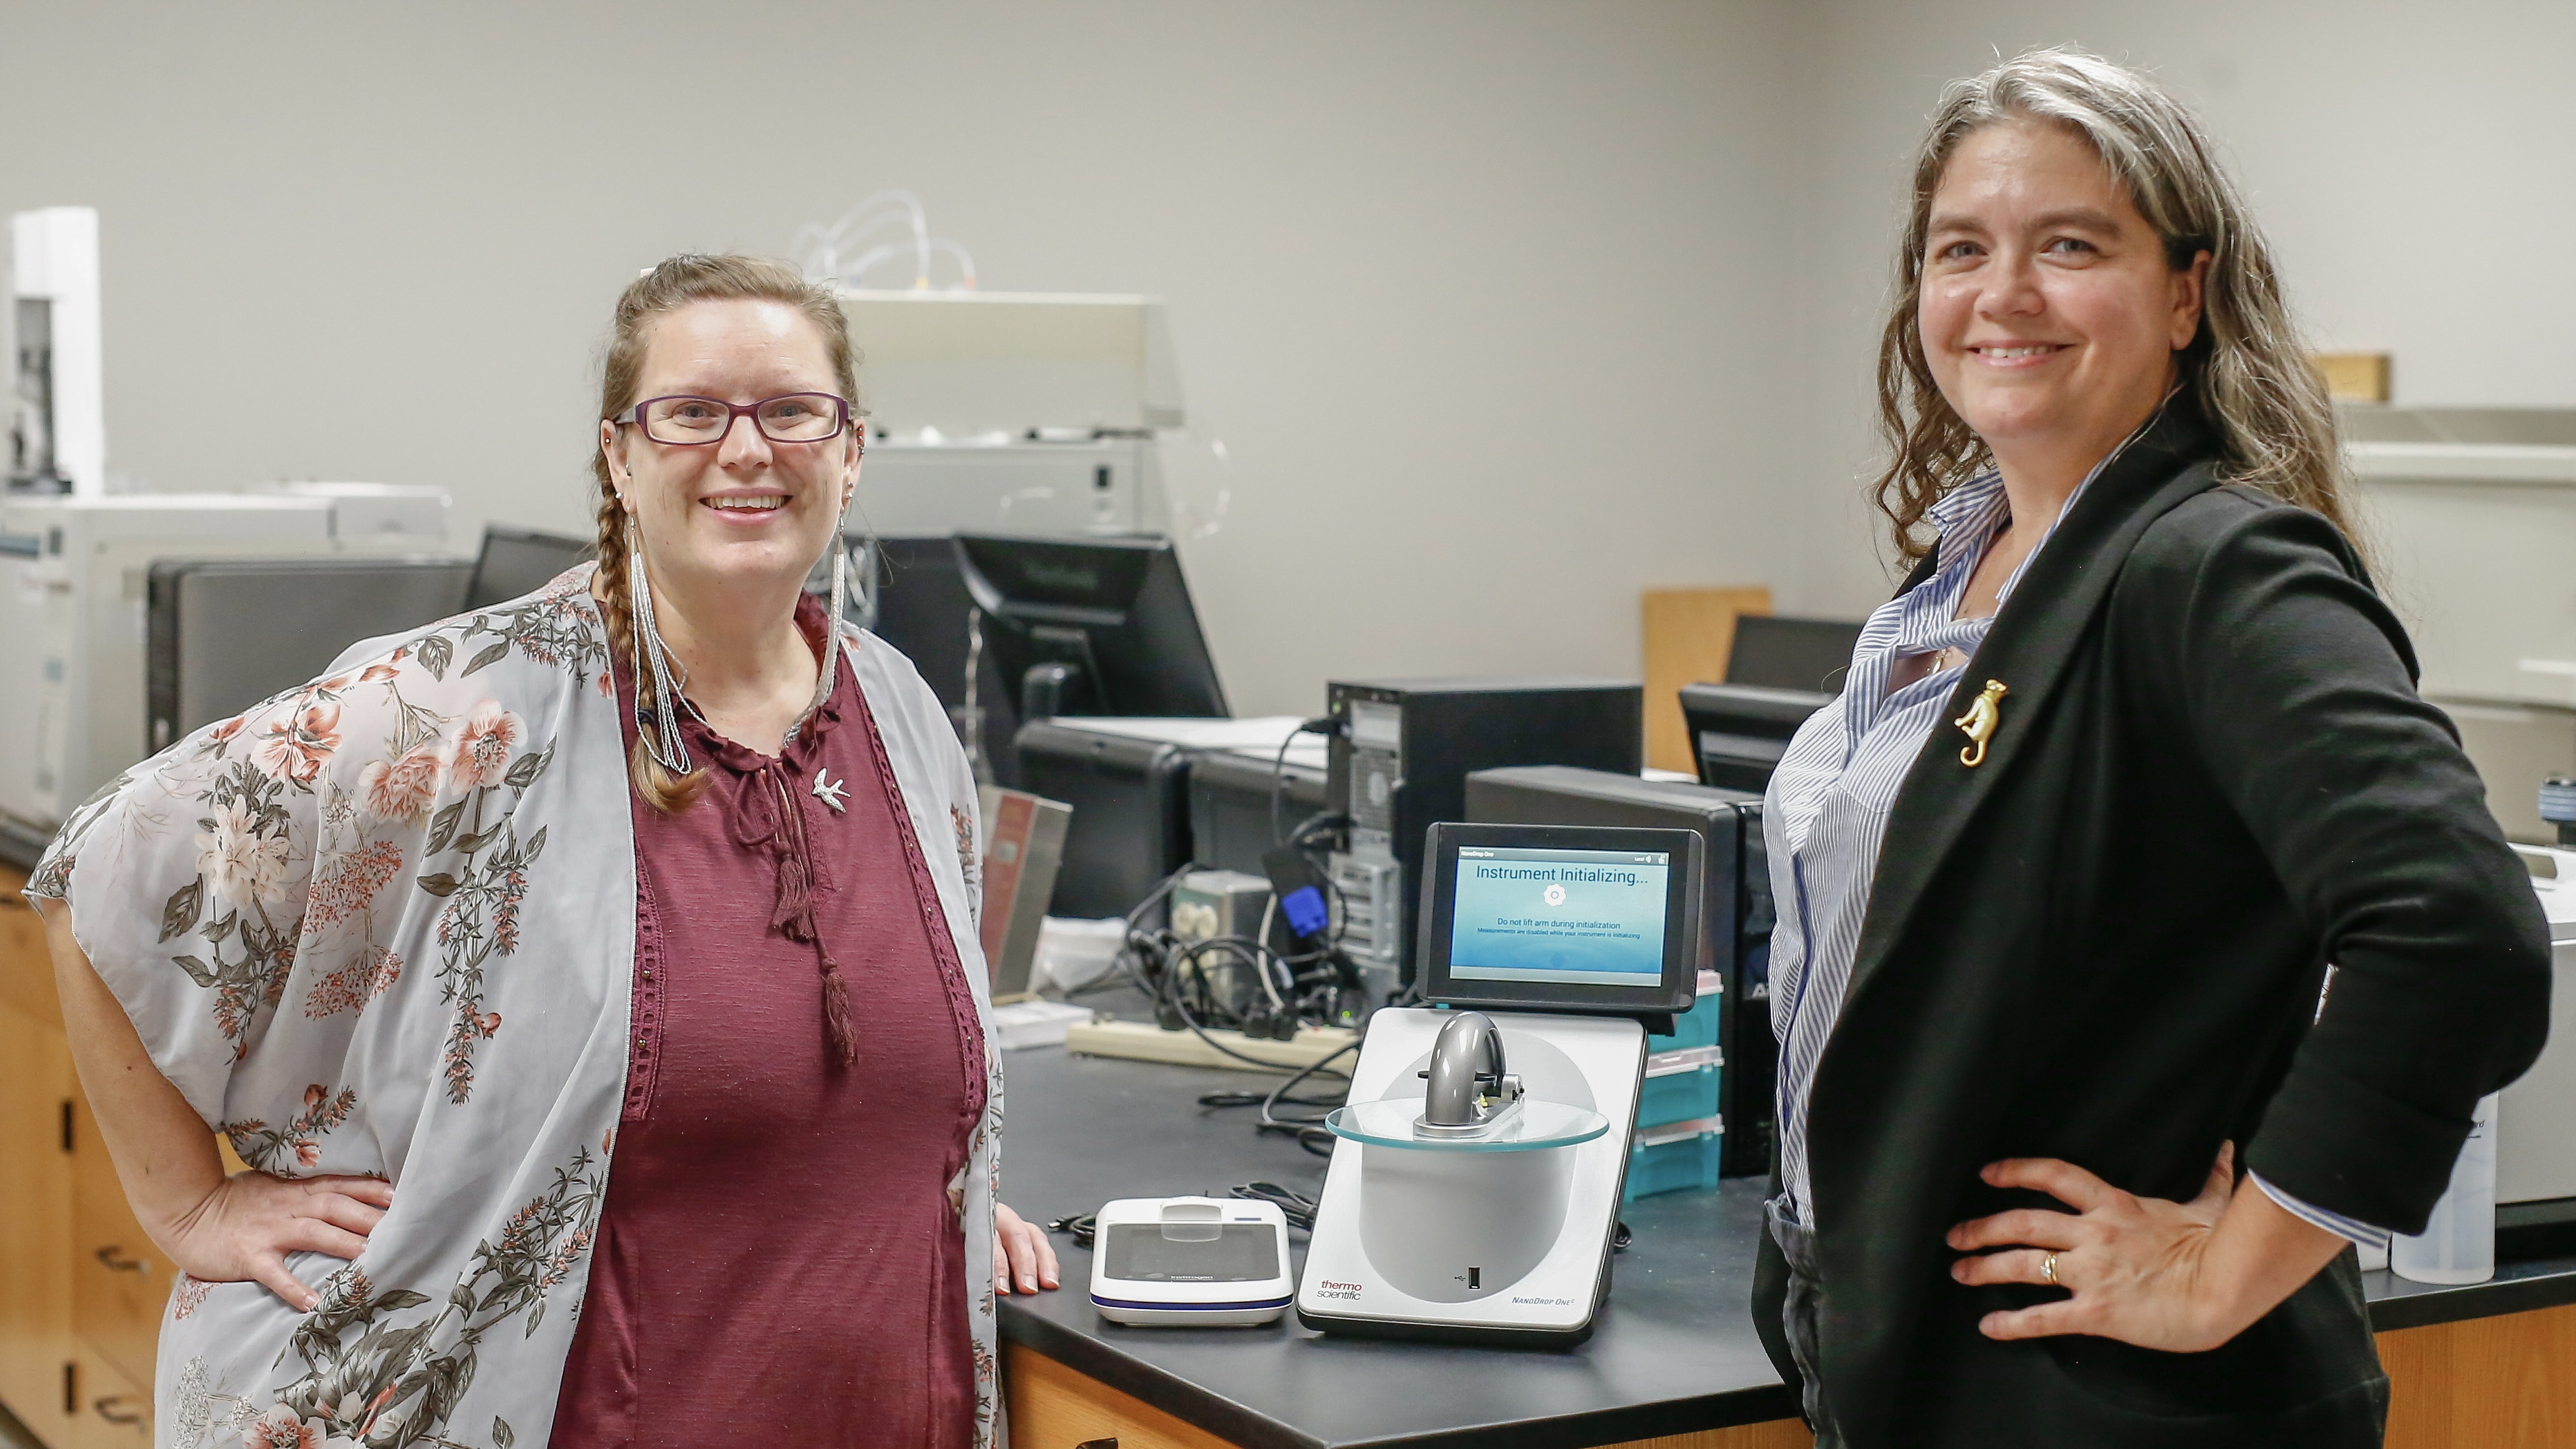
[{"x": 778, "y": 1260}]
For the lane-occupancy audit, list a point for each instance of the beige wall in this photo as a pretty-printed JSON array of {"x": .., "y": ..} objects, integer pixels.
[
  {"x": 2412, "y": 163},
  {"x": 1480, "y": 297},
  {"x": 1503, "y": 309}
]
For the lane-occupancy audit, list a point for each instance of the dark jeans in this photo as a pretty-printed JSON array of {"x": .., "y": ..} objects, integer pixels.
[{"x": 1798, "y": 1313}]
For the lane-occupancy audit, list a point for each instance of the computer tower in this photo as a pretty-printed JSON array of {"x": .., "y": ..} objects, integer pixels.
[
  {"x": 1400, "y": 757},
  {"x": 1735, "y": 897},
  {"x": 1131, "y": 822}
]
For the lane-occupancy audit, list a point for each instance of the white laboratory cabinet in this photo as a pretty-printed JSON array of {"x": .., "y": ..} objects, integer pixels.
[
  {"x": 2470, "y": 516},
  {"x": 911, "y": 489},
  {"x": 74, "y": 585},
  {"x": 2536, "y": 1118},
  {"x": 1012, "y": 412}
]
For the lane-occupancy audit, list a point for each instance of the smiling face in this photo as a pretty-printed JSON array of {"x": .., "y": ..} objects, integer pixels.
[
  {"x": 744, "y": 511},
  {"x": 2049, "y": 314}
]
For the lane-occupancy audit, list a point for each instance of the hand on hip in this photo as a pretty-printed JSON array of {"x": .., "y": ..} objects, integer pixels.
[{"x": 2138, "y": 1267}]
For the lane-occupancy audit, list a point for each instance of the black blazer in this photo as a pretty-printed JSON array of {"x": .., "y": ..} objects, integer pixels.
[{"x": 2106, "y": 942}]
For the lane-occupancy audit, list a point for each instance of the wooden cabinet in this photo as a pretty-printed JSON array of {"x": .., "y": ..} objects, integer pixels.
[
  {"x": 2507, "y": 1382},
  {"x": 39, "y": 1377},
  {"x": 26, "y": 969},
  {"x": 1055, "y": 1407},
  {"x": 120, "y": 1281},
  {"x": 1058, "y": 1408},
  {"x": 81, "y": 1288},
  {"x": 1689, "y": 634},
  {"x": 115, "y": 1408}
]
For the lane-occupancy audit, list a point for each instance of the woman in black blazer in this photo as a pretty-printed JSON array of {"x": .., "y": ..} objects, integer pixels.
[{"x": 2145, "y": 939}]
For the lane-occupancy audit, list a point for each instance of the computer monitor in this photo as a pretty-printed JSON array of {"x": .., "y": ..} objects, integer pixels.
[
  {"x": 1739, "y": 731},
  {"x": 518, "y": 561},
  {"x": 1094, "y": 626},
  {"x": 1784, "y": 653},
  {"x": 1581, "y": 918},
  {"x": 916, "y": 600}
]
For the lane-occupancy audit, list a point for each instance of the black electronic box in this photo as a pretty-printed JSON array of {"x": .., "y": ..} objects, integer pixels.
[
  {"x": 1131, "y": 821},
  {"x": 1239, "y": 808}
]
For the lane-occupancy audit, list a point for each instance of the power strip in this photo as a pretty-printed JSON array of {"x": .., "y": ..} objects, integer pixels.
[{"x": 1145, "y": 1042}]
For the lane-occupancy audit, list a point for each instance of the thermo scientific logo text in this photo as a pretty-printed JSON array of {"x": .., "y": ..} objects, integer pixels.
[{"x": 1327, "y": 1288}]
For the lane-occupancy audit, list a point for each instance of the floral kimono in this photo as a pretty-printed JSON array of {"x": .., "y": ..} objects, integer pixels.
[{"x": 384, "y": 925}]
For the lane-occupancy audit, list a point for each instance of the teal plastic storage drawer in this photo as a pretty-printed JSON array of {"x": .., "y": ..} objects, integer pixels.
[
  {"x": 1696, "y": 1027},
  {"x": 1672, "y": 1159},
  {"x": 1686, "y": 1095}
]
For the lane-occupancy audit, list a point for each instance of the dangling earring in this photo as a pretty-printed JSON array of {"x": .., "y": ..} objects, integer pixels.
[
  {"x": 832, "y": 626},
  {"x": 671, "y": 751},
  {"x": 840, "y": 581}
]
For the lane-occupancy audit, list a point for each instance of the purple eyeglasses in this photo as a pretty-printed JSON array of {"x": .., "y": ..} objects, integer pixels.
[{"x": 796, "y": 417}]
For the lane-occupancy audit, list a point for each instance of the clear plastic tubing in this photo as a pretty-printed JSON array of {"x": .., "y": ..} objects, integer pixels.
[{"x": 2458, "y": 1245}]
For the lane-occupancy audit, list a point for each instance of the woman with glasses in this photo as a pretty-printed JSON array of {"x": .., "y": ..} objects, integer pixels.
[
  {"x": 2144, "y": 939},
  {"x": 596, "y": 974}
]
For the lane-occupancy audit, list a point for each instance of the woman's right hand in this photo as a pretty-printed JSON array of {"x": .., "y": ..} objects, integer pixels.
[{"x": 243, "y": 1230}]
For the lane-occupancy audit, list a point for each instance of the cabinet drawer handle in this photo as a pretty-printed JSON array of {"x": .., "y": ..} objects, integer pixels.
[
  {"x": 112, "y": 1258},
  {"x": 117, "y": 1416}
]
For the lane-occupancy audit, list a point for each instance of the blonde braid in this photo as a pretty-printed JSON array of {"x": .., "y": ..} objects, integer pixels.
[{"x": 664, "y": 791}]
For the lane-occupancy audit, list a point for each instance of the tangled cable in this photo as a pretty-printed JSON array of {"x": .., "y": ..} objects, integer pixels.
[
  {"x": 844, "y": 251},
  {"x": 1293, "y": 1205}
]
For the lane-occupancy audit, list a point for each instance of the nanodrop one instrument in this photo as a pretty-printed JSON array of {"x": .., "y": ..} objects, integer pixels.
[{"x": 1475, "y": 1189}]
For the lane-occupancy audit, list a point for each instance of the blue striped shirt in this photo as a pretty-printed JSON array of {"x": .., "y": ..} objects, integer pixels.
[{"x": 1826, "y": 812}]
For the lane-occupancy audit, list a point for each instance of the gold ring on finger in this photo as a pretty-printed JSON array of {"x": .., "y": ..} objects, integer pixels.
[{"x": 2048, "y": 1271}]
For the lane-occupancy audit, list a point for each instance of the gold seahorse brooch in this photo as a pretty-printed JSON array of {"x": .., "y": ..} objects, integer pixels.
[{"x": 1980, "y": 721}]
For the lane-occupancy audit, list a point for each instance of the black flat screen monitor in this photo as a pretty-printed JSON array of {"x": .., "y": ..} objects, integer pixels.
[
  {"x": 1092, "y": 626},
  {"x": 1783, "y": 653},
  {"x": 1738, "y": 732},
  {"x": 517, "y": 561},
  {"x": 918, "y": 603},
  {"x": 1579, "y": 918}
]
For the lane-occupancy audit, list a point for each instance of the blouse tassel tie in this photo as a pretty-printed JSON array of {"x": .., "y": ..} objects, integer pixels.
[{"x": 794, "y": 914}]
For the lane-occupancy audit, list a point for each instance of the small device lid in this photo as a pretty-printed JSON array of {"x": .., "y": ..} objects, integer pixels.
[{"x": 1190, "y": 1252}]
